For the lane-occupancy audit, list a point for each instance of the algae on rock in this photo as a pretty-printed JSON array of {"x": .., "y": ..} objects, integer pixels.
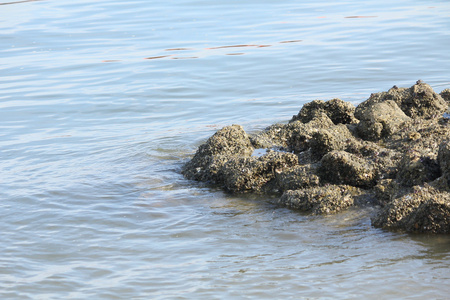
[
  {"x": 392, "y": 150},
  {"x": 321, "y": 200}
]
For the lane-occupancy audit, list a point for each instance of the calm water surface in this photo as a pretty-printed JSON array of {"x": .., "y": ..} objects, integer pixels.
[{"x": 102, "y": 101}]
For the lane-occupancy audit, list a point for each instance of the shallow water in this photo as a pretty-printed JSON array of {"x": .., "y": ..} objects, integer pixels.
[{"x": 102, "y": 101}]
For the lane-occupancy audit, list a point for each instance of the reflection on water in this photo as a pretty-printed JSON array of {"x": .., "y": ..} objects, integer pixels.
[
  {"x": 102, "y": 101},
  {"x": 211, "y": 48},
  {"x": 17, "y": 2}
]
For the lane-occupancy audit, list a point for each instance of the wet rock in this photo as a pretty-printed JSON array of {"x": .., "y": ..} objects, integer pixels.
[
  {"x": 392, "y": 150},
  {"x": 423, "y": 210},
  {"x": 444, "y": 157},
  {"x": 301, "y": 134},
  {"x": 445, "y": 94},
  {"x": 274, "y": 136},
  {"x": 335, "y": 137},
  {"x": 320, "y": 200},
  {"x": 422, "y": 135},
  {"x": 417, "y": 101},
  {"x": 386, "y": 190},
  {"x": 415, "y": 169},
  {"x": 298, "y": 177},
  {"x": 243, "y": 174},
  {"x": 211, "y": 156},
  {"x": 340, "y": 112},
  {"x": 380, "y": 120},
  {"x": 341, "y": 167},
  {"x": 309, "y": 111},
  {"x": 444, "y": 164}
]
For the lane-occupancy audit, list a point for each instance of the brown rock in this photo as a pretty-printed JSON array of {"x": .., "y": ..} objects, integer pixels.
[
  {"x": 340, "y": 112},
  {"x": 423, "y": 210},
  {"x": 321, "y": 200},
  {"x": 417, "y": 101},
  {"x": 380, "y": 120},
  {"x": 341, "y": 167}
]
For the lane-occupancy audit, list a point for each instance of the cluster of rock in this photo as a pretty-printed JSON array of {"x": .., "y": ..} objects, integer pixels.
[{"x": 391, "y": 151}]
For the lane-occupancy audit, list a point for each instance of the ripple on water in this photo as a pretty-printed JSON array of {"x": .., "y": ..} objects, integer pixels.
[{"x": 102, "y": 101}]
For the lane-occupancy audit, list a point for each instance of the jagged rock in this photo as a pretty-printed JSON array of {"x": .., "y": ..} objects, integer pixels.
[
  {"x": 444, "y": 157},
  {"x": 225, "y": 143},
  {"x": 335, "y": 137},
  {"x": 422, "y": 210},
  {"x": 321, "y": 200},
  {"x": 386, "y": 190},
  {"x": 274, "y": 136},
  {"x": 380, "y": 120},
  {"x": 309, "y": 111},
  {"x": 341, "y": 167},
  {"x": 445, "y": 94},
  {"x": 340, "y": 112},
  {"x": 393, "y": 151},
  {"x": 417, "y": 101},
  {"x": 243, "y": 174},
  {"x": 298, "y": 177},
  {"x": 415, "y": 169},
  {"x": 302, "y": 133}
]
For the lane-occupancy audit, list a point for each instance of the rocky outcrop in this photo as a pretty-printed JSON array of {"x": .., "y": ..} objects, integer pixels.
[
  {"x": 392, "y": 151},
  {"x": 417, "y": 101},
  {"x": 321, "y": 200},
  {"x": 340, "y": 112},
  {"x": 423, "y": 210},
  {"x": 380, "y": 120}
]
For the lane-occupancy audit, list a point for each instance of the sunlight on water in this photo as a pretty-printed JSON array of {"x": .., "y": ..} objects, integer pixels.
[{"x": 102, "y": 101}]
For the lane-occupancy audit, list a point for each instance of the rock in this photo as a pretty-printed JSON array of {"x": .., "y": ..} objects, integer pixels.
[
  {"x": 444, "y": 163},
  {"x": 320, "y": 200},
  {"x": 445, "y": 94},
  {"x": 392, "y": 150},
  {"x": 336, "y": 137},
  {"x": 341, "y": 167},
  {"x": 417, "y": 101},
  {"x": 423, "y": 210},
  {"x": 340, "y": 112},
  {"x": 225, "y": 143},
  {"x": 298, "y": 177},
  {"x": 386, "y": 190},
  {"x": 243, "y": 174},
  {"x": 444, "y": 157},
  {"x": 380, "y": 120},
  {"x": 421, "y": 135},
  {"x": 301, "y": 133},
  {"x": 309, "y": 111},
  {"x": 415, "y": 169},
  {"x": 274, "y": 136}
]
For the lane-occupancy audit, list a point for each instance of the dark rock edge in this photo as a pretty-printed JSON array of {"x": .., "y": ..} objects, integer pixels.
[{"x": 391, "y": 151}]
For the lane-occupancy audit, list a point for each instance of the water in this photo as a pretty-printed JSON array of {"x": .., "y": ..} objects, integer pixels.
[{"x": 102, "y": 101}]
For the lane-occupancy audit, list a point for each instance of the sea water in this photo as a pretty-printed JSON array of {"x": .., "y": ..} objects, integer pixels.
[{"x": 101, "y": 102}]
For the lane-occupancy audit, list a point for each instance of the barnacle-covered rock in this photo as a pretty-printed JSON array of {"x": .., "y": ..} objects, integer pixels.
[
  {"x": 415, "y": 169},
  {"x": 298, "y": 177},
  {"x": 243, "y": 174},
  {"x": 228, "y": 142},
  {"x": 341, "y": 167},
  {"x": 380, "y": 120},
  {"x": 417, "y": 101},
  {"x": 321, "y": 200},
  {"x": 445, "y": 94},
  {"x": 423, "y": 210},
  {"x": 340, "y": 112},
  {"x": 392, "y": 150}
]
